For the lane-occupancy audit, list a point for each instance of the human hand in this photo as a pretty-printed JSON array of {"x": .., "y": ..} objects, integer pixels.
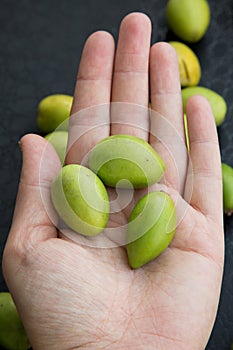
[{"x": 73, "y": 296}]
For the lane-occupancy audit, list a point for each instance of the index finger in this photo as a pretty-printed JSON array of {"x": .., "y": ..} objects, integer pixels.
[{"x": 89, "y": 121}]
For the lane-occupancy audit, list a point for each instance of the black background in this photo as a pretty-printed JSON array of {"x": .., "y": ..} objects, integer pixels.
[{"x": 41, "y": 44}]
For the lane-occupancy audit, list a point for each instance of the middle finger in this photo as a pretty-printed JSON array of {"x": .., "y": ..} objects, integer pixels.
[{"x": 130, "y": 78}]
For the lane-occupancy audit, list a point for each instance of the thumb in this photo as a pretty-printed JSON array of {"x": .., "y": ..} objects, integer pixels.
[{"x": 34, "y": 216}]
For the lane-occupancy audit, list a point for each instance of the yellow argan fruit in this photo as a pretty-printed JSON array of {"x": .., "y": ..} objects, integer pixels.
[{"x": 189, "y": 65}]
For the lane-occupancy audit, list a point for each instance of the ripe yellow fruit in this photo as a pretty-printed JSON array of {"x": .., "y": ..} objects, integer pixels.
[{"x": 189, "y": 65}]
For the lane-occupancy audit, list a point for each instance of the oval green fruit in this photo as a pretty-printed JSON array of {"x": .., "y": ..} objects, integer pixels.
[
  {"x": 59, "y": 141},
  {"x": 80, "y": 199},
  {"x": 126, "y": 161},
  {"x": 150, "y": 229},
  {"x": 12, "y": 333},
  {"x": 217, "y": 102},
  {"x": 188, "y": 19},
  {"x": 227, "y": 179},
  {"x": 53, "y": 112},
  {"x": 189, "y": 65}
]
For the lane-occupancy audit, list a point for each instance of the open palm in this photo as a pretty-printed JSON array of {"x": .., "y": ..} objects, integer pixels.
[{"x": 74, "y": 296}]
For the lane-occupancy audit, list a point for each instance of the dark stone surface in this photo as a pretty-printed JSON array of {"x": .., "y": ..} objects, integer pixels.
[{"x": 41, "y": 43}]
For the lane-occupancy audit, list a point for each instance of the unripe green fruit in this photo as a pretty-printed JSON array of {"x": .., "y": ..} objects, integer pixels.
[
  {"x": 121, "y": 160},
  {"x": 189, "y": 65},
  {"x": 59, "y": 141},
  {"x": 217, "y": 102},
  {"x": 12, "y": 333},
  {"x": 227, "y": 178},
  {"x": 188, "y": 19},
  {"x": 80, "y": 199},
  {"x": 53, "y": 112},
  {"x": 150, "y": 229}
]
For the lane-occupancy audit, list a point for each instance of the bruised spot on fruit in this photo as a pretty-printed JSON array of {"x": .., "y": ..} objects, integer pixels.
[{"x": 186, "y": 71}]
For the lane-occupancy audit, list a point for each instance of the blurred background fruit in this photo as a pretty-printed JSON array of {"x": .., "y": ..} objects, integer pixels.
[
  {"x": 53, "y": 112},
  {"x": 188, "y": 19}
]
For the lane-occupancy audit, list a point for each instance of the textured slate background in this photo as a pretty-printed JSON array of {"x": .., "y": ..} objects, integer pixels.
[{"x": 41, "y": 44}]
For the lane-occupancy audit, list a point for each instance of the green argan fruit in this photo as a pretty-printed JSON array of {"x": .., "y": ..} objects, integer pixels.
[
  {"x": 227, "y": 179},
  {"x": 59, "y": 141},
  {"x": 188, "y": 19},
  {"x": 217, "y": 102},
  {"x": 12, "y": 333},
  {"x": 121, "y": 160},
  {"x": 53, "y": 112},
  {"x": 150, "y": 229},
  {"x": 80, "y": 199},
  {"x": 189, "y": 65}
]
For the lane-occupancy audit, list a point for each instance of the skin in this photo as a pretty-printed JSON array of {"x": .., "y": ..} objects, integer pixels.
[{"x": 72, "y": 296}]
